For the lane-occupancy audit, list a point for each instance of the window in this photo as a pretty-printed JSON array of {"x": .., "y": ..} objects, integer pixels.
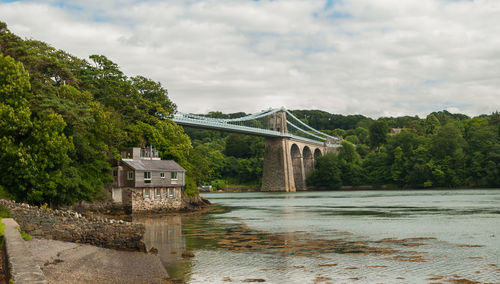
[
  {"x": 158, "y": 193},
  {"x": 173, "y": 177},
  {"x": 147, "y": 177},
  {"x": 162, "y": 175},
  {"x": 171, "y": 193},
  {"x": 130, "y": 175},
  {"x": 146, "y": 193},
  {"x": 115, "y": 173}
]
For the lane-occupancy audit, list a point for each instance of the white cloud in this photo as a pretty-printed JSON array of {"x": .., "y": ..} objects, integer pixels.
[{"x": 359, "y": 56}]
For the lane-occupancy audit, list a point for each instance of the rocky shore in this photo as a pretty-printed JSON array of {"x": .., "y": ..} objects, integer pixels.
[
  {"x": 71, "y": 226},
  {"x": 97, "y": 223}
]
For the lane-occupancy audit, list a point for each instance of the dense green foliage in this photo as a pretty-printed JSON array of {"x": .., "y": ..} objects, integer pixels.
[
  {"x": 448, "y": 151},
  {"x": 221, "y": 158},
  {"x": 443, "y": 150},
  {"x": 63, "y": 121}
]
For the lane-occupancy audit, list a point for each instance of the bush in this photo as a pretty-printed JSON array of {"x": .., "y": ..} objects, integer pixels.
[{"x": 218, "y": 184}]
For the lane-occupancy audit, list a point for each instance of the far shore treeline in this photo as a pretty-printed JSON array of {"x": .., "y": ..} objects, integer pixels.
[
  {"x": 64, "y": 119},
  {"x": 441, "y": 150}
]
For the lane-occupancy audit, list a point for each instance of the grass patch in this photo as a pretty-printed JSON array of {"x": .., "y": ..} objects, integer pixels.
[
  {"x": 2, "y": 231},
  {"x": 4, "y": 212},
  {"x": 24, "y": 235}
]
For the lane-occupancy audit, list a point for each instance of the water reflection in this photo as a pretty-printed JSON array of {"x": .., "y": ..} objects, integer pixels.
[
  {"x": 165, "y": 234},
  {"x": 389, "y": 237}
]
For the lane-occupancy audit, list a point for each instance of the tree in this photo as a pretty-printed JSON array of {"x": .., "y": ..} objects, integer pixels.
[
  {"x": 153, "y": 92},
  {"x": 377, "y": 168},
  {"x": 431, "y": 124},
  {"x": 33, "y": 150},
  {"x": 326, "y": 172},
  {"x": 348, "y": 153},
  {"x": 483, "y": 150},
  {"x": 339, "y": 132},
  {"x": 398, "y": 168},
  {"x": 208, "y": 162},
  {"x": 363, "y": 135},
  {"x": 447, "y": 140},
  {"x": 352, "y": 139},
  {"x": 236, "y": 146},
  {"x": 378, "y": 133}
]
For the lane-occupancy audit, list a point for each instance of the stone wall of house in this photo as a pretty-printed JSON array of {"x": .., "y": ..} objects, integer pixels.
[
  {"x": 71, "y": 226},
  {"x": 139, "y": 202}
]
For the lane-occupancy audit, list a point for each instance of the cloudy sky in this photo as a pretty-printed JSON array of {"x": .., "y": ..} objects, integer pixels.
[{"x": 372, "y": 57}]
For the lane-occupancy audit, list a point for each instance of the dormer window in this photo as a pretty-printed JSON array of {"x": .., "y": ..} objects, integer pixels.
[{"x": 147, "y": 177}]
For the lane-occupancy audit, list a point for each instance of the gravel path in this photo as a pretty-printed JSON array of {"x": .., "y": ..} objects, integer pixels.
[{"x": 64, "y": 262}]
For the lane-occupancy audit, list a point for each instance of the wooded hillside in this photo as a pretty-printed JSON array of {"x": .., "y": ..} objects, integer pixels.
[{"x": 64, "y": 119}]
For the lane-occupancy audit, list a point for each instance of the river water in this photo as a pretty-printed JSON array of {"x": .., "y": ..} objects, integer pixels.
[{"x": 418, "y": 236}]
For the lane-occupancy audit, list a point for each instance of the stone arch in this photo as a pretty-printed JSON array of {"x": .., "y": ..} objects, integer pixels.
[
  {"x": 308, "y": 159},
  {"x": 298, "y": 167},
  {"x": 317, "y": 153}
]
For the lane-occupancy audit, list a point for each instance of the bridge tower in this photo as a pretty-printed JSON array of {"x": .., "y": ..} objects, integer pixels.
[
  {"x": 287, "y": 161},
  {"x": 277, "y": 121},
  {"x": 277, "y": 171}
]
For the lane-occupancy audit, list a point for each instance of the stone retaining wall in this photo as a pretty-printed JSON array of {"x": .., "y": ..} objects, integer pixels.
[
  {"x": 18, "y": 261},
  {"x": 74, "y": 227}
]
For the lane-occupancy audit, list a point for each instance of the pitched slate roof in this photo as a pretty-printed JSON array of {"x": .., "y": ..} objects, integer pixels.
[{"x": 153, "y": 165}]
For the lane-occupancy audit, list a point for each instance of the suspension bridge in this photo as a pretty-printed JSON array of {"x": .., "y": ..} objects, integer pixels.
[{"x": 292, "y": 146}]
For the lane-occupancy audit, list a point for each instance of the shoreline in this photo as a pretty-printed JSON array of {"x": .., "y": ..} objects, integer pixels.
[
  {"x": 86, "y": 247},
  {"x": 353, "y": 188}
]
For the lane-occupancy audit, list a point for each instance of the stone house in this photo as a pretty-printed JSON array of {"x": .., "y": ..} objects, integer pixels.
[
  {"x": 144, "y": 182},
  {"x": 395, "y": 130}
]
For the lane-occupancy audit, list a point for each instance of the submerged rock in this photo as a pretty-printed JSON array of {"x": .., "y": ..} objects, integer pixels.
[{"x": 187, "y": 254}]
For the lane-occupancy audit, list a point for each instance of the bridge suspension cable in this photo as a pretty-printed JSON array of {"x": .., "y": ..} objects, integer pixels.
[
  {"x": 253, "y": 126},
  {"x": 304, "y": 131},
  {"x": 310, "y": 128},
  {"x": 228, "y": 120}
]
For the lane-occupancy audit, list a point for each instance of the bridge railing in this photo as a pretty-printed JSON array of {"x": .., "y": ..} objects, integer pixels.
[
  {"x": 244, "y": 129},
  {"x": 225, "y": 125}
]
